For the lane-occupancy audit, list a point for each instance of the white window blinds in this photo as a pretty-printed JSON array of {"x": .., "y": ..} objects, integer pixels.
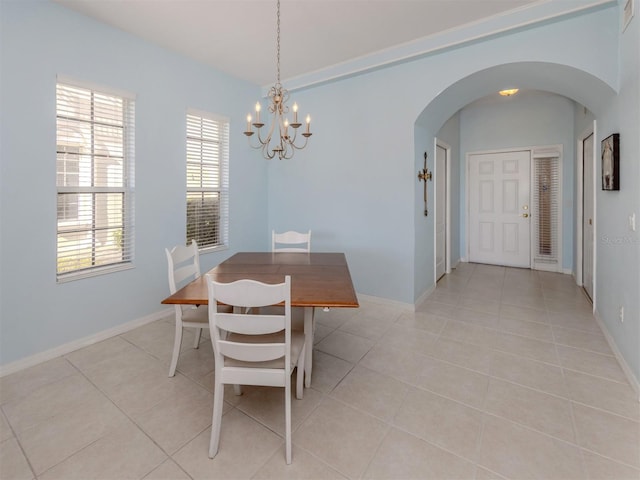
[
  {"x": 207, "y": 180},
  {"x": 546, "y": 212},
  {"x": 94, "y": 165}
]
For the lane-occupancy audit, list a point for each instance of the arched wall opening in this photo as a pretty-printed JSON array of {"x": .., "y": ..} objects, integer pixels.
[{"x": 580, "y": 96}]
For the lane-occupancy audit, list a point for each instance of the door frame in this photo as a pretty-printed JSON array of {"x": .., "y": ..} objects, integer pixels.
[
  {"x": 579, "y": 275},
  {"x": 467, "y": 186},
  {"x": 447, "y": 211}
]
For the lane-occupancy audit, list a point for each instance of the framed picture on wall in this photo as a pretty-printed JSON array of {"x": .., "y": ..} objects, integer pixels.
[{"x": 611, "y": 162}]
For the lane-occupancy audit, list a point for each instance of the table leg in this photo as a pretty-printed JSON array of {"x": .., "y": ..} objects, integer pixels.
[{"x": 308, "y": 334}]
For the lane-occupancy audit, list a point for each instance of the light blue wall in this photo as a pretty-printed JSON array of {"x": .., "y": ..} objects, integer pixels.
[
  {"x": 344, "y": 185},
  {"x": 530, "y": 118},
  {"x": 40, "y": 40}
]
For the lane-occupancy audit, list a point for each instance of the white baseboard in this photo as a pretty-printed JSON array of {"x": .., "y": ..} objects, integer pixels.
[
  {"x": 47, "y": 355},
  {"x": 633, "y": 381},
  {"x": 423, "y": 298},
  {"x": 385, "y": 301}
]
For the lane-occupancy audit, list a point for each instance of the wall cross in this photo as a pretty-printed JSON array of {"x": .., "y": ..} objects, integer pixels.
[{"x": 424, "y": 175}]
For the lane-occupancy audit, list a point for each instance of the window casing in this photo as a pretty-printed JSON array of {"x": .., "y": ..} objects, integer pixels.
[
  {"x": 207, "y": 180},
  {"x": 94, "y": 180}
]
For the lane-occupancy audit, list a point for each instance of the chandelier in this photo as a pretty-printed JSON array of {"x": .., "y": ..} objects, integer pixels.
[{"x": 282, "y": 136}]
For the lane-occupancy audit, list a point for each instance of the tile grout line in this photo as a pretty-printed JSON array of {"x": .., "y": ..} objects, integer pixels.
[
  {"x": 130, "y": 419},
  {"x": 15, "y": 436}
]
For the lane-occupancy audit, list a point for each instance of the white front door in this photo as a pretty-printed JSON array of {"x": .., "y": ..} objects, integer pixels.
[
  {"x": 499, "y": 213},
  {"x": 441, "y": 210},
  {"x": 587, "y": 215}
]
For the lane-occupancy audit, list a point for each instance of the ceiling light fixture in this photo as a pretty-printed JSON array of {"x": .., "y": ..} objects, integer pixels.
[
  {"x": 285, "y": 146},
  {"x": 508, "y": 92}
]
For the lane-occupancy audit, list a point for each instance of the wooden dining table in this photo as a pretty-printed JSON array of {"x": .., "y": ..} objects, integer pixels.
[{"x": 318, "y": 280}]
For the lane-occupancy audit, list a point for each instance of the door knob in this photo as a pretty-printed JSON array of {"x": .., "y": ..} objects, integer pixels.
[{"x": 525, "y": 215}]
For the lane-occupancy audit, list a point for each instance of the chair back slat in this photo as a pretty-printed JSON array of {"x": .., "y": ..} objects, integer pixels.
[
  {"x": 252, "y": 352},
  {"x": 187, "y": 272},
  {"x": 291, "y": 242},
  {"x": 251, "y": 324},
  {"x": 250, "y": 293}
]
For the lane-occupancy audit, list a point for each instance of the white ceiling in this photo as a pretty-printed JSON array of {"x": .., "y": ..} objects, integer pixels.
[{"x": 239, "y": 36}]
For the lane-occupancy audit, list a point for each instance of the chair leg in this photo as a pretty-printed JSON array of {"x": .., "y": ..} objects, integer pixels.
[
  {"x": 287, "y": 420},
  {"x": 300, "y": 375},
  {"x": 216, "y": 419},
  {"x": 309, "y": 327},
  {"x": 177, "y": 342},
  {"x": 196, "y": 344},
  {"x": 237, "y": 389}
]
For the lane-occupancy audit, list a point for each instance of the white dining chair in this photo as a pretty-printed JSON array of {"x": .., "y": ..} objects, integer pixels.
[
  {"x": 253, "y": 348},
  {"x": 291, "y": 241},
  {"x": 294, "y": 242},
  {"x": 184, "y": 266}
]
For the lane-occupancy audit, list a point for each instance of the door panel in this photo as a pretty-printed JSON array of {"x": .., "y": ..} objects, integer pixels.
[
  {"x": 510, "y": 196},
  {"x": 510, "y": 238},
  {"x": 499, "y": 231},
  {"x": 486, "y": 197}
]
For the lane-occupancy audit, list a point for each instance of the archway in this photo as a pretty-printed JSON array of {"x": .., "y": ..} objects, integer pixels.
[{"x": 574, "y": 84}]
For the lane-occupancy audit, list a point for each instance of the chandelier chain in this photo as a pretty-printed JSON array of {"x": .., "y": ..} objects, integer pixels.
[{"x": 278, "y": 44}]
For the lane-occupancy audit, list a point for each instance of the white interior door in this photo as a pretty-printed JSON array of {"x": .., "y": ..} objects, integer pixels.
[
  {"x": 499, "y": 213},
  {"x": 441, "y": 210},
  {"x": 587, "y": 214}
]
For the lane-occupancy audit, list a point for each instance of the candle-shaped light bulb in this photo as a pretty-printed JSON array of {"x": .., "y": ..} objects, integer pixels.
[
  {"x": 258, "y": 108},
  {"x": 308, "y": 122},
  {"x": 295, "y": 112},
  {"x": 249, "y": 123}
]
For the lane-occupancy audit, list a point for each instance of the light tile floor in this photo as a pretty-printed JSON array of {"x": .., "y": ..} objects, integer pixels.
[{"x": 502, "y": 373}]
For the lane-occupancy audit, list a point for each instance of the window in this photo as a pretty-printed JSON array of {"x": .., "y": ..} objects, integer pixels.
[
  {"x": 546, "y": 212},
  {"x": 94, "y": 165},
  {"x": 207, "y": 180}
]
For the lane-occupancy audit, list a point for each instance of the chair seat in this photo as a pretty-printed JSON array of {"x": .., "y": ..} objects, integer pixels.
[
  {"x": 199, "y": 314},
  {"x": 297, "y": 342}
]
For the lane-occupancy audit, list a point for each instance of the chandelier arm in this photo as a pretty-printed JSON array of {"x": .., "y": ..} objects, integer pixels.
[
  {"x": 300, "y": 147},
  {"x": 265, "y": 152},
  {"x": 267, "y": 139},
  {"x": 292, "y": 141}
]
